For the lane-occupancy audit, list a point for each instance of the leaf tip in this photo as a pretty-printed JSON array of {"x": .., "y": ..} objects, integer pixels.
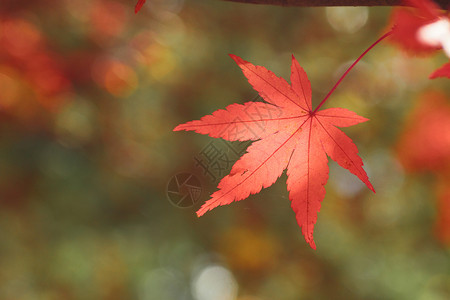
[
  {"x": 308, "y": 235},
  {"x": 178, "y": 128},
  {"x": 369, "y": 185},
  {"x": 236, "y": 58},
  {"x": 202, "y": 210},
  {"x": 188, "y": 126},
  {"x": 294, "y": 60},
  {"x": 311, "y": 243}
]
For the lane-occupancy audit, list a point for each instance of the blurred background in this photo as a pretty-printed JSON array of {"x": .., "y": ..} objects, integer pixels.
[{"x": 98, "y": 194}]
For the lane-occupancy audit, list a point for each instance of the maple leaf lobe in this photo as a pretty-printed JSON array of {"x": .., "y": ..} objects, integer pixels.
[{"x": 272, "y": 88}]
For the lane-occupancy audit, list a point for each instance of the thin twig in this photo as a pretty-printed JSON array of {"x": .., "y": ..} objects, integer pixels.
[{"x": 445, "y": 4}]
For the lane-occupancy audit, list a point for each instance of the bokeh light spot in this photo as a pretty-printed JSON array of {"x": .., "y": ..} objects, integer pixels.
[
  {"x": 19, "y": 37},
  {"x": 215, "y": 282},
  {"x": 75, "y": 122},
  {"x": 115, "y": 77},
  {"x": 347, "y": 19},
  {"x": 108, "y": 20},
  {"x": 161, "y": 62},
  {"x": 161, "y": 283},
  {"x": 9, "y": 87}
]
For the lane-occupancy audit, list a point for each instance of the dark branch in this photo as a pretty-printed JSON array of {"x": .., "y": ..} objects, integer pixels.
[{"x": 443, "y": 3}]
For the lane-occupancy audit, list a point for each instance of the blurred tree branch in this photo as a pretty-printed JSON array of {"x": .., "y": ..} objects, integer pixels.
[{"x": 443, "y": 3}]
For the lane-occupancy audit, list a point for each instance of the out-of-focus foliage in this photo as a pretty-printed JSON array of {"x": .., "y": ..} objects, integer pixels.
[
  {"x": 422, "y": 30},
  {"x": 425, "y": 146},
  {"x": 89, "y": 95}
]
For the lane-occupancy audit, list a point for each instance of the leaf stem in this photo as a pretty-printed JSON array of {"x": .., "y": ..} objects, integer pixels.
[{"x": 349, "y": 69}]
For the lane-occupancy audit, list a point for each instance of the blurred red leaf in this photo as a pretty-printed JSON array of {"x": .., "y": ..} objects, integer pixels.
[
  {"x": 37, "y": 67},
  {"x": 422, "y": 30},
  {"x": 425, "y": 142},
  {"x": 443, "y": 71},
  {"x": 298, "y": 139},
  {"x": 408, "y": 21},
  {"x": 138, "y": 6}
]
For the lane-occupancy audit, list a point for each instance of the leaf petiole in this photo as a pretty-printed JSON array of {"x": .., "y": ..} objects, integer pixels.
[{"x": 349, "y": 69}]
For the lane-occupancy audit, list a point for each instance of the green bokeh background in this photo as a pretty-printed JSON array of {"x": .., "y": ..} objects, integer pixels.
[{"x": 84, "y": 212}]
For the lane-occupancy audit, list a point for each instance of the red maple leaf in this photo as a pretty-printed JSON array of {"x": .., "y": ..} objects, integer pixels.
[
  {"x": 422, "y": 29},
  {"x": 138, "y": 6},
  {"x": 297, "y": 139}
]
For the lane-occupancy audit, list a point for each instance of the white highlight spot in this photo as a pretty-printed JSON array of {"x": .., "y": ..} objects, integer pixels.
[
  {"x": 436, "y": 34},
  {"x": 347, "y": 19},
  {"x": 214, "y": 282}
]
